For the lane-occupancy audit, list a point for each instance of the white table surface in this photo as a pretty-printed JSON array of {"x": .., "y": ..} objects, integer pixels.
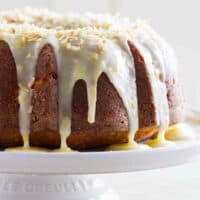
[{"x": 175, "y": 183}]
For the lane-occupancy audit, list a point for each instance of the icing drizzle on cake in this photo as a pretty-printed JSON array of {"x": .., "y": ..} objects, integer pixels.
[{"x": 86, "y": 46}]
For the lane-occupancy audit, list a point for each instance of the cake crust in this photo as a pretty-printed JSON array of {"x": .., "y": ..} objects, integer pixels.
[
  {"x": 9, "y": 107},
  {"x": 45, "y": 115}
]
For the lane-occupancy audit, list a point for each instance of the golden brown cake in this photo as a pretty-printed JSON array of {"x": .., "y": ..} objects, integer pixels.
[{"x": 84, "y": 82}]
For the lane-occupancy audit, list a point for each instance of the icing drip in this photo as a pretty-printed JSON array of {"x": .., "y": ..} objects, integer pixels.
[
  {"x": 73, "y": 66},
  {"x": 181, "y": 131},
  {"x": 25, "y": 54},
  {"x": 92, "y": 97},
  {"x": 24, "y": 114},
  {"x": 122, "y": 75}
]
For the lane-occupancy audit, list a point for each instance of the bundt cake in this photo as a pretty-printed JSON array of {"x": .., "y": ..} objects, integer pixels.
[{"x": 85, "y": 82}]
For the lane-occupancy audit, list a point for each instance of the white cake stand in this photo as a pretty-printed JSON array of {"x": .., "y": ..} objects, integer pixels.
[{"x": 64, "y": 176}]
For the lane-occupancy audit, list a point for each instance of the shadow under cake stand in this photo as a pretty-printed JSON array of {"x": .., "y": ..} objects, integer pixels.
[{"x": 65, "y": 176}]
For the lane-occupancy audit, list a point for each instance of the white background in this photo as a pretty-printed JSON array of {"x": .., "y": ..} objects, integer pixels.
[{"x": 179, "y": 22}]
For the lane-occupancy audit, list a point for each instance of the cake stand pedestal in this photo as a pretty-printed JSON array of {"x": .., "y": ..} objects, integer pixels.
[
  {"x": 62, "y": 176},
  {"x": 51, "y": 187}
]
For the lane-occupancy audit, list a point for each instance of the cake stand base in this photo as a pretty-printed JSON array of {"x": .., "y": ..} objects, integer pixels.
[{"x": 51, "y": 187}]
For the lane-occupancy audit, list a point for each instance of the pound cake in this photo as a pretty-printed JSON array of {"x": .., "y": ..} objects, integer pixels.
[{"x": 85, "y": 81}]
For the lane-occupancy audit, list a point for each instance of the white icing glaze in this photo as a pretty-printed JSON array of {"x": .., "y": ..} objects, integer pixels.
[
  {"x": 182, "y": 131},
  {"x": 93, "y": 45}
]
